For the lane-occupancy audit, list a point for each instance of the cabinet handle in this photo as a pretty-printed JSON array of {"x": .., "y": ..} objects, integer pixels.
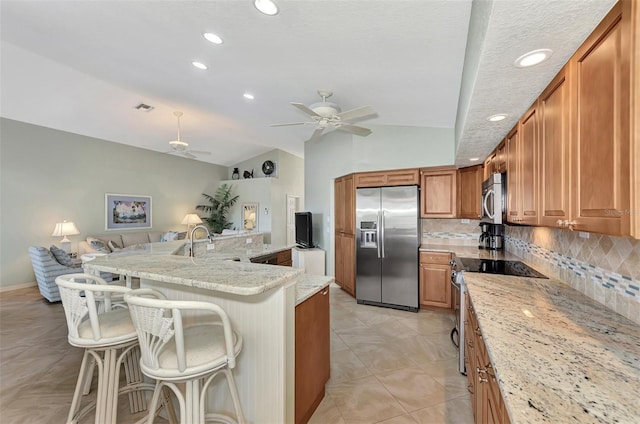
[
  {"x": 477, "y": 331},
  {"x": 482, "y": 380},
  {"x": 324, "y": 293},
  {"x": 481, "y": 370},
  {"x": 470, "y": 344}
]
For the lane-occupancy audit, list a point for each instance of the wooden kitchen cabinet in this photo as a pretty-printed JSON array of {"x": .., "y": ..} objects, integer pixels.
[
  {"x": 500, "y": 161},
  {"x": 489, "y": 166},
  {"x": 512, "y": 144},
  {"x": 438, "y": 192},
  {"x": 555, "y": 151},
  {"x": 435, "y": 279},
  {"x": 345, "y": 205},
  {"x": 344, "y": 209},
  {"x": 345, "y": 263},
  {"x": 282, "y": 258},
  {"x": 486, "y": 400},
  {"x": 601, "y": 80},
  {"x": 312, "y": 357},
  {"x": 390, "y": 178},
  {"x": 469, "y": 191}
]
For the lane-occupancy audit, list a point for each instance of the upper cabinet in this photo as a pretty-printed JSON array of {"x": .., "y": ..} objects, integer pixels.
[
  {"x": 555, "y": 152},
  {"x": 601, "y": 77},
  {"x": 438, "y": 196},
  {"x": 528, "y": 162},
  {"x": 396, "y": 177},
  {"x": 469, "y": 191},
  {"x": 513, "y": 191},
  {"x": 344, "y": 202}
]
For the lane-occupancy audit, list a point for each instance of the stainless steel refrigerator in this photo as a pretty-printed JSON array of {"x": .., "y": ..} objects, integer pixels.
[{"x": 387, "y": 242}]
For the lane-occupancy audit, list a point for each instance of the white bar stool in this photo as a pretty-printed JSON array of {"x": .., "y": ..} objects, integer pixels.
[
  {"x": 99, "y": 322},
  {"x": 190, "y": 354}
]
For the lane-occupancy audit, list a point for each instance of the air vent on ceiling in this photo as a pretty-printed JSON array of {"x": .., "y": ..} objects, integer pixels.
[{"x": 144, "y": 108}]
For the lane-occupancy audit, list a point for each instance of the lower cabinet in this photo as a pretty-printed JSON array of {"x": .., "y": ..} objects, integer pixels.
[
  {"x": 435, "y": 279},
  {"x": 486, "y": 399},
  {"x": 345, "y": 263},
  {"x": 282, "y": 258},
  {"x": 312, "y": 354}
]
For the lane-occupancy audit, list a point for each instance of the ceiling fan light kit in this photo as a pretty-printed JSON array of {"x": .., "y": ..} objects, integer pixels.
[{"x": 329, "y": 115}]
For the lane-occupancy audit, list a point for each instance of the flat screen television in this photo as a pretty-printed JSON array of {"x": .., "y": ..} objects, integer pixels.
[{"x": 304, "y": 230}]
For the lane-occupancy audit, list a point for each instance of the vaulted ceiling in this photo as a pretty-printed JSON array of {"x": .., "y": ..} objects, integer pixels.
[{"x": 83, "y": 66}]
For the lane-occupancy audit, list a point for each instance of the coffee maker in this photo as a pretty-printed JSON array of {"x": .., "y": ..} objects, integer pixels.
[{"x": 491, "y": 236}]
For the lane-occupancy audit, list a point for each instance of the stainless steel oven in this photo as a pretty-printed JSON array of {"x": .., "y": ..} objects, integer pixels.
[{"x": 457, "y": 334}]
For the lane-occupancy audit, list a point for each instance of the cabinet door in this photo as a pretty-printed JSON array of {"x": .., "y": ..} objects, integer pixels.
[
  {"x": 469, "y": 191},
  {"x": 438, "y": 192},
  {"x": 345, "y": 262},
  {"x": 501, "y": 158},
  {"x": 435, "y": 285},
  {"x": 528, "y": 158},
  {"x": 388, "y": 178},
  {"x": 555, "y": 151},
  {"x": 601, "y": 152},
  {"x": 512, "y": 175},
  {"x": 338, "y": 204},
  {"x": 349, "y": 198},
  {"x": 312, "y": 349}
]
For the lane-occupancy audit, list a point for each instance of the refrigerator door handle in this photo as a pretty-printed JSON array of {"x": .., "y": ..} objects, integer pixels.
[
  {"x": 382, "y": 231},
  {"x": 378, "y": 233}
]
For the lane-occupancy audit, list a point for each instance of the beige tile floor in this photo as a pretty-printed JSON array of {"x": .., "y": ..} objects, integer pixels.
[{"x": 387, "y": 366}]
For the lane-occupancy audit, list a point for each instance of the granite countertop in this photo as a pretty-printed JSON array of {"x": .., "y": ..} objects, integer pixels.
[
  {"x": 558, "y": 355},
  {"x": 309, "y": 285},
  {"x": 212, "y": 273}
]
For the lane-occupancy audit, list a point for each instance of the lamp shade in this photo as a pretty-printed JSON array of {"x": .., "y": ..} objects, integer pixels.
[
  {"x": 65, "y": 229},
  {"x": 191, "y": 219}
]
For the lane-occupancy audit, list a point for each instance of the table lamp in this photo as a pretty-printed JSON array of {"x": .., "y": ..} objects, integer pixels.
[
  {"x": 65, "y": 229},
  {"x": 189, "y": 220}
]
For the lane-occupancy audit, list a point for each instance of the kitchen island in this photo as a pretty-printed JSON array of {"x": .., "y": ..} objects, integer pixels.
[
  {"x": 558, "y": 355},
  {"x": 260, "y": 301}
]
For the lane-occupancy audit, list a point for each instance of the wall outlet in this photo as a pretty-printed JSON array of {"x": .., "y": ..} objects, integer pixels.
[
  {"x": 583, "y": 234},
  {"x": 465, "y": 221},
  {"x": 248, "y": 241},
  {"x": 211, "y": 246}
]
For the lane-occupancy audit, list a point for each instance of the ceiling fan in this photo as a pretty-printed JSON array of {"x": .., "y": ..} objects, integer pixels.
[
  {"x": 326, "y": 114},
  {"x": 181, "y": 147}
]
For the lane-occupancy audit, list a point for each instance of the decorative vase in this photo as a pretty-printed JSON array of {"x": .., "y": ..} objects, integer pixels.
[
  {"x": 236, "y": 174},
  {"x": 248, "y": 174}
]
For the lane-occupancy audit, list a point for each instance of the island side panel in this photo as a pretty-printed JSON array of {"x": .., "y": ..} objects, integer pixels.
[{"x": 265, "y": 367}]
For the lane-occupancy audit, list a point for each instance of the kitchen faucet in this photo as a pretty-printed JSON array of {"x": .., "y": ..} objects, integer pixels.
[{"x": 209, "y": 237}]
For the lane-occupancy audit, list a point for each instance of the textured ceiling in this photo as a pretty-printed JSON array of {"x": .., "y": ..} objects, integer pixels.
[{"x": 83, "y": 66}]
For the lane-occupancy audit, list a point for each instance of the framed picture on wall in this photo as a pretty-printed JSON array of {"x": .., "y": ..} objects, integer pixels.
[{"x": 124, "y": 211}]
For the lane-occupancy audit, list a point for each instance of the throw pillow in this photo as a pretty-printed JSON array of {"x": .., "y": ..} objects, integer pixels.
[
  {"x": 113, "y": 246},
  {"x": 99, "y": 245},
  {"x": 169, "y": 236},
  {"x": 62, "y": 257}
]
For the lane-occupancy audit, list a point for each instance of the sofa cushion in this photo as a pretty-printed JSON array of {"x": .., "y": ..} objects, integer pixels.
[
  {"x": 99, "y": 245},
  {"x": 169, "y": 236},
  {"x": 155, "y": 236},
  {"x": 129, "y": 239},
  {"x": 62, "y": 257},
  {"x": 114, "y": 246}
]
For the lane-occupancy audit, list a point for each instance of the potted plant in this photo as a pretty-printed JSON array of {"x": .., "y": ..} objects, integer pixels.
[{"x": 218, "y": 208}]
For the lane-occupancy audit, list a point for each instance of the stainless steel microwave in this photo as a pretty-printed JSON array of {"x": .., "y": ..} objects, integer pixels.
[{"x": 494, "y": 199}]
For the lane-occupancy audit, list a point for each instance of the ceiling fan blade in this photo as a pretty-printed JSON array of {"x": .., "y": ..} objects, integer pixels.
[
  {"x": 316, "y": 134},
  {"x": 353, "y": 129},
  {"x": 189, "y": 155},
  {"x": 287, "y": 124},
  {"x": 357, "y": 114},
  {"x": 306, "y": 110},
  {"x": 200, "y": 152}
]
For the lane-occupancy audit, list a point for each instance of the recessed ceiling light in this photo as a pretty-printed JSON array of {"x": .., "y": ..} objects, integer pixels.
[
  {"x": 248, "y": 96},
  {"x": 532, "y": 58},
  {"x": 268, "y": 7},
  {"x": 497, "y": 117},
  {"x": 474, "y": 159},
  {"x": 199, "y": 65},
  {"x": 215, "y": 39}
]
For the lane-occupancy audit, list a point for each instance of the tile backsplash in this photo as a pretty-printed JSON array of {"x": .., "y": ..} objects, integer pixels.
[{"x": 605, "y": 268}]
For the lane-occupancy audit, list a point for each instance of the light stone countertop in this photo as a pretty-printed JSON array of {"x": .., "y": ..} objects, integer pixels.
[
  {"x": 573, "y": 360},
  {"x": 559, "y": 356},
  {"x": 309, "y": 285},
  {"x": 164, "y": 262}
]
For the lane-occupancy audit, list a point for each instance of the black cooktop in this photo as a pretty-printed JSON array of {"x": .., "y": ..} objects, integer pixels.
[{"x": 497, "y": 266}]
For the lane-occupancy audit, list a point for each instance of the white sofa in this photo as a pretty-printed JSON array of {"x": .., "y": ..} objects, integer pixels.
[{"x": 123, "y": 240}]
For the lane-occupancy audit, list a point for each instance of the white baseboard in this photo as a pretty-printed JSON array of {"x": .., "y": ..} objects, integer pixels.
[{"x": 17, "y": 287}]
